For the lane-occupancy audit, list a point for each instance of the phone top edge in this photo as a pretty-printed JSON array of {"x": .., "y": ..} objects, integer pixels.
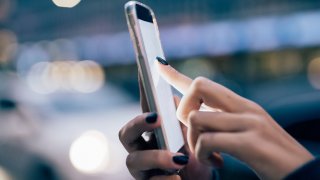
[
  {"x": 129, "y": 7},
  {"x": 142, "y": 11},
  {"x": 133, "y": 3}
]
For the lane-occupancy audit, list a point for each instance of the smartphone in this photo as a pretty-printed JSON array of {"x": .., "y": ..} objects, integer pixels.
[{"x": 145, "y": 36}]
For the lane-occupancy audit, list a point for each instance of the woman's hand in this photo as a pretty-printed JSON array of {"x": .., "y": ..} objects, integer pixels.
[
  {"x": 240, "y": 127},
  {"x": 145, "y": 160},
  {"x": 142, "y": 155}
]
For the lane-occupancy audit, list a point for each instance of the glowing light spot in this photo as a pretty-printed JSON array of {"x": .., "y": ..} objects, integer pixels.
[
  {"x": 198, "y": 67},
  {"x": 8, "y": 45},
  {"x": 86, "y": 77},
  {"x": 66, "y": 3},
  {"x": 60, "y": 72},
  {"x": 48, "y": 77},
  {"x": 90, "y": 152},
  {"x": 39, "y": 78},
  {"x": 4, "y": 175}
]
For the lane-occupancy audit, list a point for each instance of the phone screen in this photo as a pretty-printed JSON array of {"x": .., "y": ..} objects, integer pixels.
[{"x": 170, "y": 125}]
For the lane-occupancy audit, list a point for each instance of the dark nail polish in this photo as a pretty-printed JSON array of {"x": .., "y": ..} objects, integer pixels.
[
  {"x": 151, "y": 118},
  {"x": 162, "y": 61},
  {"x": 181, "y": 160}
]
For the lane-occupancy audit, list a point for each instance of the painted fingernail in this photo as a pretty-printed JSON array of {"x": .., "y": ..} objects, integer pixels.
[
  {"x": 151, "y": 118},
  {"x": 181, "y": 160},
  {"x": 162, "y": 61}
]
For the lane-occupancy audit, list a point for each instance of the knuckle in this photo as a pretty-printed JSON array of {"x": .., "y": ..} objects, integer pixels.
[
  {"x": 199, "y": 83},
  {"x": 130, "y": 161},
  {"x": 199, "y": 151},
  {"x": 192, "y": 117},
  {"x": 123, "y": 134},
  {"x": 130, "y": 125},
  {"x": 120, "y": 134},
  {"x": 202, "y": 142},
  {"x": 202, "y": 149},
  {"x": 198, "y": 154},
  {"x": 200, "y": 80},
  {"x": 253, "y": 107},
  {"x": 179, "y": 114},
  {"x": 256, "y": 121}
]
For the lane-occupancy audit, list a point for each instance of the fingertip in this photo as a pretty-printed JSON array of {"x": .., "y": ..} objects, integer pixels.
[
  {"x": 162, "y": 61},
  {"x": 151, "y": 118},
  {"x": 173, "y": 77},
  {"x": 166, "y": 70},
  {"x": 163, "y": 67},
  {"x": 180, "y": 159}
]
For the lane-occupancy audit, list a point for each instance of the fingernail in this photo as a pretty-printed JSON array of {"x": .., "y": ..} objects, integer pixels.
[
  {"x": 151, "y": 118},
  {"x": 162, "y": 61},
  {"x": 181, "y": 160}
]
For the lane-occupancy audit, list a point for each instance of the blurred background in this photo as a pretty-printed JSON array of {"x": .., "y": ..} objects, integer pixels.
[{"x": 69, "y": 79}]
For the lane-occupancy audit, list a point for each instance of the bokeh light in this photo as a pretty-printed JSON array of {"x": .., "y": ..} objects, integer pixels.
[
  {"x": 314, "y": 73},
  {"x": 86, "y": 77},
  {"x": 66, "y": 3},
  {"x": 5, "y": 7},
  {"x": 8, "y": 45},
  {"x": 60, "y": 72},
  {"x": 90, "y": 152},
  {"x": 39, "y": 78},
  {"x": 4, "y": 175},
  {"x": 71, "y": 76},
  {"x": 197, "y": 67}
]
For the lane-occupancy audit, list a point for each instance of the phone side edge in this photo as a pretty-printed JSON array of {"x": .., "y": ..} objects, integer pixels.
[{"x": 142, "y": 67}]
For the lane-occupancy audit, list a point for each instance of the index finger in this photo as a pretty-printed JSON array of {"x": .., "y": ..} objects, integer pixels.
[
  {"x": 205, "y": 91},
  {"x": 216, "y": 95},
  {"x": 173, "y": 77}
]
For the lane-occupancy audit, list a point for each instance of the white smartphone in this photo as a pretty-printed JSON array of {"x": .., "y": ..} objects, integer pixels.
[{"x": 145, "y": 36}]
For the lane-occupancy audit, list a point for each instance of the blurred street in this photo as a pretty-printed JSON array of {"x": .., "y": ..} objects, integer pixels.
[{"x": 69, "y": 78}]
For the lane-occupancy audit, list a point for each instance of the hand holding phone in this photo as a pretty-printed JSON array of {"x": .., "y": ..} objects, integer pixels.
[
  {"x": 143, "y": 161},
  {"x": 145, "y": 35}
]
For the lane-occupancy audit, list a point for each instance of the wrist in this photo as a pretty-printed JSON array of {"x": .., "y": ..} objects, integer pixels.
[
  {"x": 277, "y": 165},
  {"x": 302, "y": 160},
  {"x": 309, "y": 170}
]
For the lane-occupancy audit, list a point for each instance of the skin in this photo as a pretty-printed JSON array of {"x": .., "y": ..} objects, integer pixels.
[{"x": 230, "y": 124}]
